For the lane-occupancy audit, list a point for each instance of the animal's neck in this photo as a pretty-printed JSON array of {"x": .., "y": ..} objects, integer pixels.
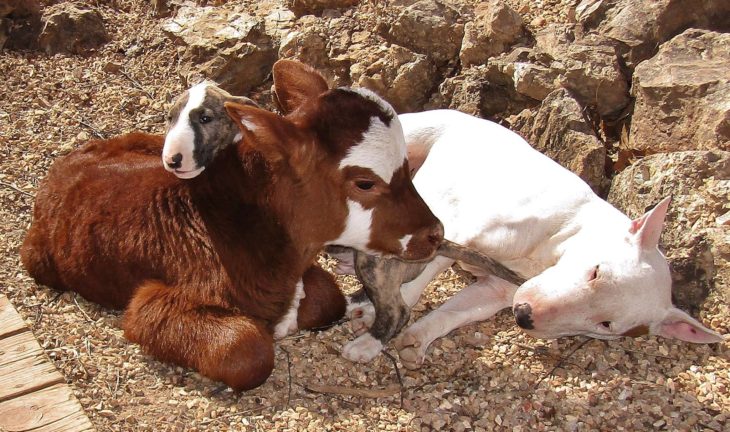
[
  {"x": 244, "y": 189},
  {"x": 594, "y": 227}
]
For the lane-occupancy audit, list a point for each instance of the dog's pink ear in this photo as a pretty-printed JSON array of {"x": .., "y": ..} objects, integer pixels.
[
  {"x": 678, "y": 325},
  {"x": 648, "y": 228}
]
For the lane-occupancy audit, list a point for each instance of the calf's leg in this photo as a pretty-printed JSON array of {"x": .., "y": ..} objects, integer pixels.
[
  {"x": 222, "y": 345},
  {"x": 323, "y": 303},
  {"x": 476, "y": 302}
]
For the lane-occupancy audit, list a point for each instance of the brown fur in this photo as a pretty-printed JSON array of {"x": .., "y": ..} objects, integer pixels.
[{"x": 205, "y": 267}]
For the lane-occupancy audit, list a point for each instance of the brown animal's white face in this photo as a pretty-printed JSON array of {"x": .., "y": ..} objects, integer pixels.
[
  {"x": 348, "y": 154},
  {"x": 198, "y": 128},
  {"x": 386, "y": 216}
]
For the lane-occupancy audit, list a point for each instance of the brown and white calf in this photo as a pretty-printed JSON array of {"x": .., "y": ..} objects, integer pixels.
[{"x": 207, "y": 268}]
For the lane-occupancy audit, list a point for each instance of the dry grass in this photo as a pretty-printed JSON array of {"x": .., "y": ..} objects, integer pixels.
[{"x": 483, "y": 377}]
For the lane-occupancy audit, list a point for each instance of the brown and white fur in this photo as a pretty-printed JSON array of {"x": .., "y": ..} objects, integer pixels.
[{"x": 207, "y": 268}]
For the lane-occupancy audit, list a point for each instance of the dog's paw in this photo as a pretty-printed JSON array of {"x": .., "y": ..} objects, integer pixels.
[
  {"x": 411, "y": 348},
  {"x": 362, "y": 316},
  {"x": 363, "y": 349}
]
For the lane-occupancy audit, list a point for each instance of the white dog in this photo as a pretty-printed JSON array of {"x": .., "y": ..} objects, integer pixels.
[{"x": 590, "y": 269}]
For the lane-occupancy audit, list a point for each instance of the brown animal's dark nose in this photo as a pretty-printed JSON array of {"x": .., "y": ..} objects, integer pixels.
[
  {"x": 522, "y": 313},
  {"x": 436, "y": 237},
  {"x": 176, "y": 161}
]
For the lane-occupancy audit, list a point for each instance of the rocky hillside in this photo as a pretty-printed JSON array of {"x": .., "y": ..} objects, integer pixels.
[{"x": 632, "y": 96}]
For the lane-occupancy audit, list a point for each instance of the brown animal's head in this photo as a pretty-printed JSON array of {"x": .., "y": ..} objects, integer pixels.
[
  {"x": 198, "y": 128},
  {"x": 341, "y": 152}
]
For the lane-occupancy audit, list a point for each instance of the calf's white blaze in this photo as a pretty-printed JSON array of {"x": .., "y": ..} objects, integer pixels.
[
  {"x": 181, "y": 136},
  {"x": 383, "y": 147},
  {"x": 357, "y": 227}
]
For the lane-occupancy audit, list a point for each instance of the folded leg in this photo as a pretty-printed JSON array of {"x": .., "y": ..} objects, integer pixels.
[
  {"x": 476, "y": 302},
  {"x": 323, "y": 303},
  {"x": 392, "y": 305},
  {"x": 222, "y": 345},
  {"x": 360, "y": 309}
]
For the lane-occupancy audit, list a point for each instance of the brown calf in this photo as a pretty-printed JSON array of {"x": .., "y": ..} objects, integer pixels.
[{"x": 210, "y": 269}]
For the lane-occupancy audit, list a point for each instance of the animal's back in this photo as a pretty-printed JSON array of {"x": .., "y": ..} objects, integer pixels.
[
  {"x": 89, "y": 200},
  {"x": 491, "y": 189}
]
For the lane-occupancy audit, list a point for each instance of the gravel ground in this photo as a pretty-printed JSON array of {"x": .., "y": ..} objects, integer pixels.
[{"x": 482, "y": 377}]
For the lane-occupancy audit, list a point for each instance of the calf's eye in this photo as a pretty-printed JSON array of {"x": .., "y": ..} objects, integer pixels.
[
  {"x": 606, "y": 324},
  {"x": 205, "y": 119},
  {"x": 364, "y": 184}
]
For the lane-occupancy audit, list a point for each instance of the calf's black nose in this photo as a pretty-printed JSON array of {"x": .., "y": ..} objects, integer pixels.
[
  {"x": 176, "y": 161},
  {"x": 522, "y": 313}
]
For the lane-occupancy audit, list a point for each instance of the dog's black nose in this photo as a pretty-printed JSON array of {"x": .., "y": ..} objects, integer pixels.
[
  {"x": 522, "y": 313},
  {"x": 176, "y": 161}
]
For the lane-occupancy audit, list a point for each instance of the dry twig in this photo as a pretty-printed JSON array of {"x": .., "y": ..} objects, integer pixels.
[
  {"x": 16, "y": 189},
  {"x": 288, "y": 369},
  {"x": 397, "y": 374},
  {"x": 353, "y": 391},
  {"x": 561, "y": 361},
  {"x": 93, "y": 129}
]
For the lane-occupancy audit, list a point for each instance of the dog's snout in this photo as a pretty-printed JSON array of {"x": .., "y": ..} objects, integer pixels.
[
  {"x": 175, "y": 161},
  {"x": 522, "y": 313}
]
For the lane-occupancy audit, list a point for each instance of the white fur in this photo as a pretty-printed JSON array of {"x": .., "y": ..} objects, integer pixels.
[
  {"x": 363, "y": 349},
  {"x": 494, "y": 192},
  {"x": 382, "y": 149},
  {"x": 288, "y": 323},
  {"x": 357, "y": 227},
  {"x": 404, "y": 241},
  {"x": 181, "y": 137}
]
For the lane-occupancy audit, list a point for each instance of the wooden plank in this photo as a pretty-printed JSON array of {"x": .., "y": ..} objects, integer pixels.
[
  {"x": 18, "y": 347},
  {"x": 10, "y": 321},
  {"x": 52, "y": 409},
  {"x": 26, "y": 375}
]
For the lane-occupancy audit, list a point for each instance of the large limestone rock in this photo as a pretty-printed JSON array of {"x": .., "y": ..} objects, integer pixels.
[
  {"x": 303, "y": 7},
  {"x": 696, "y": 237},
  {"x": 559, "y": 130},
  {"x": 72, "y": 30},
  {"x": 429, "y": 27},
  {"x": 683, "y": 95},
  {"x": 519, "y": 80},
  {"x": 494, "y": 28},
  {"x": 402, "y": 77},
  {"x": 310, "y": 45},
  {"x": 588, "y": 66},
  {"x": 639, "y": 27},
  {"x": 465, "y": 92},
  {"x": 227, "y": 46},
  {"x": 19, "y": 23}
]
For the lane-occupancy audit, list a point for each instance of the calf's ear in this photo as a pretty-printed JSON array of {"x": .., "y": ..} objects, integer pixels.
[
  {"x": 648, "y": 228},
  {"x": 295, "y": 83},
  {"x": 243, "y": 100},
  {"x": 679, "y": 325},
  {"x": 263, "y": 131}
]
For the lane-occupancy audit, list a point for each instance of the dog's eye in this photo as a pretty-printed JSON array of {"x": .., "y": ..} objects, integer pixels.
[
  {"x": 365, "y": 184},
  {"x": 205, "y": 119},
  {"x": 593, "y": 274},
  {"x": 606, "y": 324}
]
